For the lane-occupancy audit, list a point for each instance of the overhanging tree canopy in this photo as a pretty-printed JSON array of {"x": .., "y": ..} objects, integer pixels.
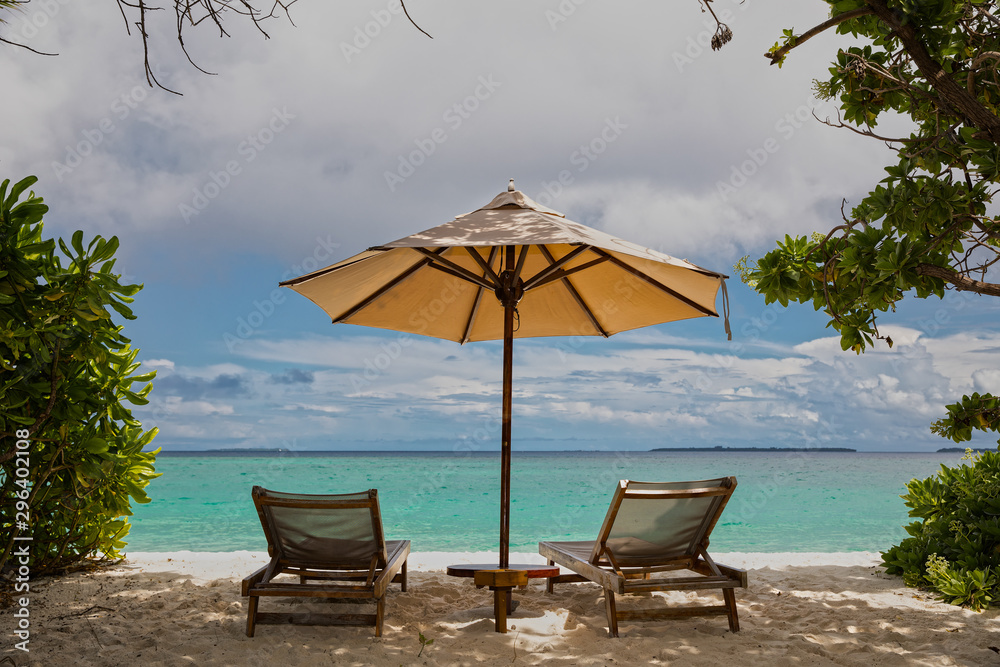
[{"x": 931, "y": 223}]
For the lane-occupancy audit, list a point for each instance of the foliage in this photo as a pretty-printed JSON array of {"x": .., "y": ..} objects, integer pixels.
[
  {"x": 927, "y": 225},
  {"x": 955, "y": 548},
  {"x": 66, "y": 374},
  {"x": 424, "y": 643},
  {"x": 980, "y": 412}
]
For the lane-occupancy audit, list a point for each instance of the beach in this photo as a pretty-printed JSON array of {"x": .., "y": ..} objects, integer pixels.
[{"x": 184, "y": 608}]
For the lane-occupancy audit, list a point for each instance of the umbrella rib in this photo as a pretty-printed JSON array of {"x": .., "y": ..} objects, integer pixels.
[
  {"x": 483, "y": 264},
  {"x": 655, "y": 283},
  {"x": 466, "y": 335},
  {"x": 520, "y": 262},
  {"x": 385, "y": 288},
  {"x": 564, "y": 273},
  {"x": 457, "y": 270},
  {"x": 455, "y": 274},
  {"x": 576, "y": 295},
  {"x": 545, "y": 273}
]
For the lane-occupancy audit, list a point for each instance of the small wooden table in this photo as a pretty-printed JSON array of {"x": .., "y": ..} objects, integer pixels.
[{"x": 502, "y": 582}]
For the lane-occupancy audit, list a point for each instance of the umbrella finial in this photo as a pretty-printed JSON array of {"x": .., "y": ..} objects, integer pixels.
[{"x": 510, "y": 186}]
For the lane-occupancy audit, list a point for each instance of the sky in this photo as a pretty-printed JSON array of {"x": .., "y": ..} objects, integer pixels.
[{"x": 351, "y": 128}]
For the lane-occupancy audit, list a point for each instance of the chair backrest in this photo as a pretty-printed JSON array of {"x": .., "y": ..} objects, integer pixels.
[
  {"x": 650, "y": 523},
  {"x": 341, "y": 531}
]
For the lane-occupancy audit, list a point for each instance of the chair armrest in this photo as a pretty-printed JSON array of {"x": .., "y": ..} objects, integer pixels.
[
  {"x": 605, "y": 578},
  {"x": 735, "y": 573},
  {"x": 392, "y": 567},
  {"x": 252, "y": 580}
]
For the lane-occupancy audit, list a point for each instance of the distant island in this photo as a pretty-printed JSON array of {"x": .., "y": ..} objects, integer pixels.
[
  {"x": 960, "y": 450},
  {"x": 216, "y": 452},
  {"x": 754, "y": 449}
]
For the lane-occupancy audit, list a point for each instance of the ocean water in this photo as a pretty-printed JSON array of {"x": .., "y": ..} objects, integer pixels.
[{"x": 443, "y": 501}]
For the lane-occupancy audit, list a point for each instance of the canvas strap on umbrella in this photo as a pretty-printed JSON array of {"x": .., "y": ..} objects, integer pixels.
[{"x": 725, "y": 309}]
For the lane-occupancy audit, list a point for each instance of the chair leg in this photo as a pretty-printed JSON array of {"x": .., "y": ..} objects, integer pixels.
[
  {"x": 379, "y": 613},
  {"x": 548, "y": 582},
  {"x": 729, "y": 595},
  {"x": 609, "y": 603},
  {"x": 252, "y": 615},
  {"x": 403, "y": 572}
]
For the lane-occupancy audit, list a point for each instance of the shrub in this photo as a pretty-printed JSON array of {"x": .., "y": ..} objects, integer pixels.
[
  {"x": 954, "y": 549},
  {"x": 71, "y": 458}
]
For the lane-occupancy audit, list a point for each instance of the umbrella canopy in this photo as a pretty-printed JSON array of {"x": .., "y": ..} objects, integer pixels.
[{"x": 512, "y": 260}]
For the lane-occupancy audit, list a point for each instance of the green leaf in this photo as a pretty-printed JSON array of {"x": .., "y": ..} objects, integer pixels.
[{"x": 96, "y": 446}]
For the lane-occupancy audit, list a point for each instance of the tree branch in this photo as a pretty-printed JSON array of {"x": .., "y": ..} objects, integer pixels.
[
  {"x": 953, "y": 94},
  {"x": 975, "y": 66},
  {"x": 960, "y": 282},
  {"x": 776, "y": 56},
  {"x": 25, "y": 46},
  {"x": 403, "y": 5},
  {"x": 868, "y": 133}
]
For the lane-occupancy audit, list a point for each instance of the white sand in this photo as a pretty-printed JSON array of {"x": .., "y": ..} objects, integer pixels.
[{"x": 800, "y": 609}]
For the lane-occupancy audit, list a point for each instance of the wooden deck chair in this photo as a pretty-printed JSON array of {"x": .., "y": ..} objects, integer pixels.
[
  {"x": 651, "y": 529},
  {"x": 334, "y": 540}
]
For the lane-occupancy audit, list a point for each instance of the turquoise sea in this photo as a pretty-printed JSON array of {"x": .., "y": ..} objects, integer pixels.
[{"x": 444, "y": 501}]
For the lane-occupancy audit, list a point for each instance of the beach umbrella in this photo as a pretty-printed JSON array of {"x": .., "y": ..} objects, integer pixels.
[{"x": 511, "y": 269}]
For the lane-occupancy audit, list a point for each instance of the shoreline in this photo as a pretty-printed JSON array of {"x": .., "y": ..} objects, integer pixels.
[
  {"x": 173, "y": 608},
  {"x": 203, "y": 566}
]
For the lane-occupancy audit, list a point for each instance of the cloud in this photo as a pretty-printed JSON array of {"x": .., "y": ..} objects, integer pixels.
[
  {"x": 294, "y": 376},
  {"x": 224, "y": 385},
  {"x": 807, "y": 394},
  {"x": 176, "y": 406},
  {"x": 622, "y": 118},
  {"x": 986, "y": 381}
]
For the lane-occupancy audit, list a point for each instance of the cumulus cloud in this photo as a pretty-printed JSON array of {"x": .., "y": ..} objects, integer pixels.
[
  {"x": 621, "y": 118},
  {"x": 195, "y": 387},
  {"x": 808, "y": 394},
  {"x": 986, "y": 381},
  {"x": 293, "y": 376}
]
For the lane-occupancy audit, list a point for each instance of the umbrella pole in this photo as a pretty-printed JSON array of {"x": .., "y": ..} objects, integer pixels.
[{"x": 508, "y": 368}]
